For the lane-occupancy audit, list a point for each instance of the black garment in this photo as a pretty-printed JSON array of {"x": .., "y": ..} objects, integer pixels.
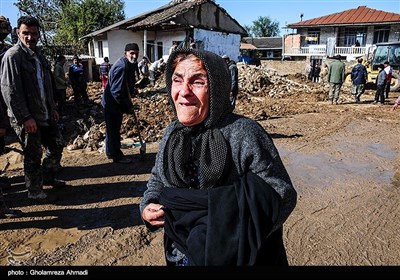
[
  {"x": 228, "y": 225},
  {"x": 359, "y": 74}
]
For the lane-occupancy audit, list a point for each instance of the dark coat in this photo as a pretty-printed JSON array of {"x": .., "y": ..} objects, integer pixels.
[
  {"x": 120, "y": 86},
  {"x": 359, "y": 74},
  {"x": 228, "y": 225}
]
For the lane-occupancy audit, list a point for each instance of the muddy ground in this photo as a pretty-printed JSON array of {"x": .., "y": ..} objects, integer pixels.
[{"x": 343, "y": 160}]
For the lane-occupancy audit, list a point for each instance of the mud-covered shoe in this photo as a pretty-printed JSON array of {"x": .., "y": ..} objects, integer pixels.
[
  {"x": 55, "y": 183},
  {"x": 42, "y": 197}
]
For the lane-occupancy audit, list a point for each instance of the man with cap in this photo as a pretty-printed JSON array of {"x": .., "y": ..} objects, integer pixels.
[
  {"x": 336, "y": 73},
  {"x": 116, "y": 100},
  {"x": 233, "y": 70}
]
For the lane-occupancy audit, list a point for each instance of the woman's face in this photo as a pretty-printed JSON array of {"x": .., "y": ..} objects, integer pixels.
[{"x": 189, "y": 91}]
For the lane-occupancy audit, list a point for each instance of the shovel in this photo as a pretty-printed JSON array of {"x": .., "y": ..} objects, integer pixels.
[{"x": 142, "y": 149}]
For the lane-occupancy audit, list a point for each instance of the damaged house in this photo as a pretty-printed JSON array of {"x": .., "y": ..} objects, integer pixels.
[{"x": 202, "y": 23}]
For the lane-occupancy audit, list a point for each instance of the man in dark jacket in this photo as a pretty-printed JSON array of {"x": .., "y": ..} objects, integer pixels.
[
  {"x": 116, "y": 100},
  {"x": 31, "y": 109},
  {"x": 359, "y": 76},
  {"x": 233, "y": 70},
  {"x": 77, "y": 78}
]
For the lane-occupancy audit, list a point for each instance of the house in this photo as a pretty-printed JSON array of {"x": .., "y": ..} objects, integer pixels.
[
  {"x": 266, "y": 47},
  {"x": 351, "y": 34},
  {"x": 201, "y": 22}
]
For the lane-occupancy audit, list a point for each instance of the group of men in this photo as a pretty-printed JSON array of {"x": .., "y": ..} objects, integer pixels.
[{"x": 359, "y": 78}]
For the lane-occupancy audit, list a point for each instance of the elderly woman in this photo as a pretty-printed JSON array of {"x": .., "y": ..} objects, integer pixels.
[{"x": 218, "y": 187}]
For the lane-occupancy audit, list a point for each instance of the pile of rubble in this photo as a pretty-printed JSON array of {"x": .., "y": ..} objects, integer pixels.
[{"x": 85, "y": 127}]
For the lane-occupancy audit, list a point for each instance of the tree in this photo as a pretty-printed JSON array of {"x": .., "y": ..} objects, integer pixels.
[
  {"x": 80, "y": 18},
  {"x": 264, "y": 27},
  {"x": 64, "y": 22},
  {"x": 46, "y": 11},
  {"x": 248, "y": 29}
]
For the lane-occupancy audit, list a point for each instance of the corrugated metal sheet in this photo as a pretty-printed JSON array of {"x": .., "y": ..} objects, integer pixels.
[{"x": 359, "y": 15}]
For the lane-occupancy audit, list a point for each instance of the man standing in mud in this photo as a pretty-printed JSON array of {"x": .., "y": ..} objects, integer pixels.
[
  {"x": 26, "y": 85},
  {"x": 336, "y": 73},
  {"x": 116, "y": 100}
]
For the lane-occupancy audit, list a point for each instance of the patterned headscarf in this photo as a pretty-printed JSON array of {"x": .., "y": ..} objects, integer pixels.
[{"x": 202, "y": 145}]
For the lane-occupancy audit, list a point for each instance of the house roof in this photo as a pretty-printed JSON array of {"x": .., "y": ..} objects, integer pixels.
[
  {"x": 163, "y": 16},
  {"x": 246, "y": 46},
  {"x": 360, "y": 15},
  {"x": 264, "y": 42}
]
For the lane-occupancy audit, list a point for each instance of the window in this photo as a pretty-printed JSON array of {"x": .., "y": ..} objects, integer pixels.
[
  {"x": 100, "y": 47},
  {"x": 381, "y": 34},
  {"x": 313, "y": 35},
  {"x": 349, "y": 35}
]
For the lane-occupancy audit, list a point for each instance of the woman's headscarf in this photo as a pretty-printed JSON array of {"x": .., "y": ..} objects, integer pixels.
[{"x": 202, "y": 145}]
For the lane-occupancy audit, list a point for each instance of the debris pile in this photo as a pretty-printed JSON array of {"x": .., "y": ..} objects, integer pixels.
[{"x": 258, "y": 87}]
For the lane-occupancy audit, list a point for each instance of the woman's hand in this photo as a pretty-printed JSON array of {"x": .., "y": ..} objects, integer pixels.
[{"x": 154, "y": 215}]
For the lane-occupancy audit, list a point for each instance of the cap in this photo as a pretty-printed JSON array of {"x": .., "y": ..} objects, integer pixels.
[
  {"x": 131, "y": 47},
  {"x": 225, "y": 56}
]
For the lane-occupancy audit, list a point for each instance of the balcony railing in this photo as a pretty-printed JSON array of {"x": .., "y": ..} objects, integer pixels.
[{"x": 321, "y": 50}]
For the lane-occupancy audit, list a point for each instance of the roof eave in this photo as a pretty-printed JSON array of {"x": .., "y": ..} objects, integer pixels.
[{"x": 342, "y": 24}]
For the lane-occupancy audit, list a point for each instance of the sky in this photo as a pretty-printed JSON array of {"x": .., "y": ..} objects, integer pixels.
[{"x": 246, "y": 11}]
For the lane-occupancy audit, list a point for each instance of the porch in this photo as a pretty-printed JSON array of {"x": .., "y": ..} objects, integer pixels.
[{"x": 323, "y": 51}]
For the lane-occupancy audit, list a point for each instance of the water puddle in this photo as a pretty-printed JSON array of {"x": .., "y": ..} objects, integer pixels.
[{"x": 343, "y": 164}]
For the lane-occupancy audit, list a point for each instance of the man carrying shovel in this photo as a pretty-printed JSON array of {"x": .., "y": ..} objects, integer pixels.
[{"x": 116, "y": 101}]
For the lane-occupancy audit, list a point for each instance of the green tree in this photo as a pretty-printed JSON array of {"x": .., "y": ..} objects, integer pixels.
[
  {"x": 265, "y": 27},
  {"x": 46, "y": 11},
  {"x": 80, "y": 18},
  {"x": 248, "y": 29},
  {"x": 64, "y": 22}
]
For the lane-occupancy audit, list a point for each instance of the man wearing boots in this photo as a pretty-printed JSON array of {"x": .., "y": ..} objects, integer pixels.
[{"x": 26, "y": 85}]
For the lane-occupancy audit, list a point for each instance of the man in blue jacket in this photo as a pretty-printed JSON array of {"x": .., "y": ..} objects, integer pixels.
[
  {"x": 359, "y": 76},
  {"x": 116, "y": 100}
]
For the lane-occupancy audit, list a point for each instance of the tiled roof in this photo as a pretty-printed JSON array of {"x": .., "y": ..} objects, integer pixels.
[{"x": 359, "y": 15}]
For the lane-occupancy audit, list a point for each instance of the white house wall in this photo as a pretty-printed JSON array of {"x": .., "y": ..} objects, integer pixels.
[
  {"x": 167, "y": 38},
  {"x": 116, "y": 41},
  {"x": 218, "y": 42}
]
